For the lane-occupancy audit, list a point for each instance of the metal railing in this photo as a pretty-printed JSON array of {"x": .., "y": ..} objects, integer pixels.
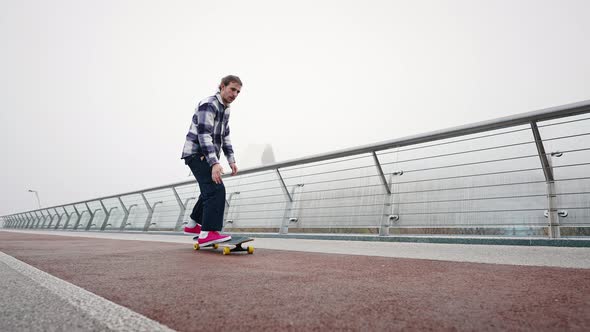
[{"x": 527, "y": 174}]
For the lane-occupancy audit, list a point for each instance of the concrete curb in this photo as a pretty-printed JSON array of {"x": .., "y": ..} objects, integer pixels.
[{"x": 114, "y": 316}]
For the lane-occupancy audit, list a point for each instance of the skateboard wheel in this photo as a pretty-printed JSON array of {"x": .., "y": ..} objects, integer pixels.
[
  {"x": 226, "y": 251},
  {"x": 215, "y": 246},
  {"x": 196, "y": 246},
  {"x": 250, "y": 249}
]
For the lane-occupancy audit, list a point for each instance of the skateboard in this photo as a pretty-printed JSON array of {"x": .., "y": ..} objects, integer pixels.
[{"x": 235, "y": 244}]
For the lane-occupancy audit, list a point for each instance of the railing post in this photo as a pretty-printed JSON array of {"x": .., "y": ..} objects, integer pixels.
[
  {"x": 51, "y": 217},
  {"x": 288, "y": 216},
  {"x": 126, "y": 211},
  {"x": 39, "y": 218},
  {"x": 384, "y": 222},
  {"x": 43, "y": 218},
  {"x": 148, "y": 220},
  {"x": 91, "y": 216},
  {"x": 19, "y": 221},
  {"x": 33, "y": 224},
  {"x": 69, "y": 215},
  {"x": 381, "y": 175},
  {"x": 182, "y": 207},
  {"x": 283, "y": 186},
  {"x": 79, "y": 218},
  {"x": 58, "y": 220},
  {"x": 228, "y": 206},
  {"x": 108, "y": 215},
  {"x": 550, "y": 181},
  {"x": 47, "y": 220},
  {"x": 285, "y": 222},
  {"x": 30, "y": 220},
  {"x": 91, "y": 222}
]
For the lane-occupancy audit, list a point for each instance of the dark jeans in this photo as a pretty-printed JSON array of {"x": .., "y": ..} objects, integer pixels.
[{"x": 211, "y": 204}]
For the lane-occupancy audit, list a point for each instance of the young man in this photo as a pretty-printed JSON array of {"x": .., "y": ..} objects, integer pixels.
[{"x": 207, "y": 137}]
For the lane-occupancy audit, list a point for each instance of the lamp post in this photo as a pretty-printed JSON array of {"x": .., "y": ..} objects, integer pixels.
[{"x": 37, "y": 195}]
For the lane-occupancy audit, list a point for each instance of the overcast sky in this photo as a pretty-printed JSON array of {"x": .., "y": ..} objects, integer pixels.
[{"x": 96, "y": 96}]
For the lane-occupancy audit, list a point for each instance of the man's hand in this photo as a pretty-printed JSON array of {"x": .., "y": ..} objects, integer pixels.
[
  {"x": 234, "y": 168},
  {"x": 216, "y": 172}
]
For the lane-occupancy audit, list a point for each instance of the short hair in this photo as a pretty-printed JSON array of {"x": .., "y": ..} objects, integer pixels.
[{"x": 229, "y": 79}]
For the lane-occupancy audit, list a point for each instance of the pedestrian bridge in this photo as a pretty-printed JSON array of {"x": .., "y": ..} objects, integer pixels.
[
  {"x": 379, "y": 237},
  {"x": 519, "y": 176}
]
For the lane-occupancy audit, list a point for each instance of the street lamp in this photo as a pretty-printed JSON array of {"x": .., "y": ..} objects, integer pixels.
[{"x": 37, "y": 195}]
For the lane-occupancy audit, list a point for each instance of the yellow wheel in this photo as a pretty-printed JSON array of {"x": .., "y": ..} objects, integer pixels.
[
  {"x": 226, "y": 250},
  {"x": 196, "y": 246},
  {"x": 250, "y": 250},
  {"x": 215, "y": 246}
]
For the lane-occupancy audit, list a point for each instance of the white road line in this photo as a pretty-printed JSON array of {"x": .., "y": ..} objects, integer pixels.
[{"x": 112, "y": 315}]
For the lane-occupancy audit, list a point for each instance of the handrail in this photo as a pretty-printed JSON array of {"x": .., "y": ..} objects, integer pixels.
[{"x": 498, "y": 123}]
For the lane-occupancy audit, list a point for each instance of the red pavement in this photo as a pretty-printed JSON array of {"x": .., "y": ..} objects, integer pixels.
[{"x": 282, "y": 290}]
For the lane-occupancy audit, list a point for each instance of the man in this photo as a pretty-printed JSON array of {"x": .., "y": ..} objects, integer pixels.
[{"x": 207, "y": 137}]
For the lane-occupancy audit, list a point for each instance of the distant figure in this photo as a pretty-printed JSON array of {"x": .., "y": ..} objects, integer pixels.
[{"x": 207, "y": 136}]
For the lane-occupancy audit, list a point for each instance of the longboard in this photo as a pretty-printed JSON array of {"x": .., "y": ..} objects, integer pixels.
[{"x": 235, "y": 244}]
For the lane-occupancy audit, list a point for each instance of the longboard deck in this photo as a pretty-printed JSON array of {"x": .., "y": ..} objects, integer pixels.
[{"x": 235, "y": 244}]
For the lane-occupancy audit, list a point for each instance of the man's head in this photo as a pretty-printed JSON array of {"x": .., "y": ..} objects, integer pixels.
[{"x": 229, "y": 88}]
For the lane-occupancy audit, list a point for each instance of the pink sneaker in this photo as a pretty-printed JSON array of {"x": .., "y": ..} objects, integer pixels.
[
  {"x": 212, "y": 238},
  {"x": 192, "y": 230}
]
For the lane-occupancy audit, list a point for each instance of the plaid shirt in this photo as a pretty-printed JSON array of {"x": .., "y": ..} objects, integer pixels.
[{"x": 209, "y": 131}]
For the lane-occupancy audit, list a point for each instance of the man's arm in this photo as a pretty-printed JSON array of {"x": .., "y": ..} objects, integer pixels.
[
  {"x": 206, "y": 122},
  {"x": 228, "y": 150}
]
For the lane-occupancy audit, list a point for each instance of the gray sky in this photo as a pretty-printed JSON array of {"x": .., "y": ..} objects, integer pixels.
[{"x": 96, "y": 96}]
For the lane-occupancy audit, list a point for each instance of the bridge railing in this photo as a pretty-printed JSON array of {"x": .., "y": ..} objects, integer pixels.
[{"x": 527, "y": 174}]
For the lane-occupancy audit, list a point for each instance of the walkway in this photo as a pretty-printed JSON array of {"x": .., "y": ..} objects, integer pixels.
[{"x": 294, "y": 284}]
